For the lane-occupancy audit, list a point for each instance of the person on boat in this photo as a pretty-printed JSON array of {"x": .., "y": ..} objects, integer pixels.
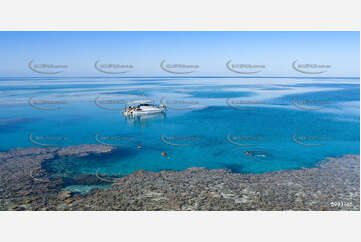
[{"x": 129, "y": 110}]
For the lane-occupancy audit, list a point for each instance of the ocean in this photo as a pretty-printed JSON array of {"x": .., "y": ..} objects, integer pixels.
[{"x": 247, "y": 125}]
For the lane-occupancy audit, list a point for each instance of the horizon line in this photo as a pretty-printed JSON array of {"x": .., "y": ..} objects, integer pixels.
[{"x": 301, "y": 77}]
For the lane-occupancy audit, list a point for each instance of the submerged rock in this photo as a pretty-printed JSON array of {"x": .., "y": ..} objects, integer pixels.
[
  {"x": 22, "y": 174},
  {"x": 64, "y": 195},
  {"x": 85, "y": 150},
  {"x": 26, "y": 185},
  {"x": 70, "y": 200}
]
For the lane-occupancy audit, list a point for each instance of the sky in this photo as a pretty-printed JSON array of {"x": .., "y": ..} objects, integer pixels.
[{"x": 271, "y": 53}]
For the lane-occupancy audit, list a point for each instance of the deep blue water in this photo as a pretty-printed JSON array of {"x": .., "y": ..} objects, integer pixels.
[{"x": 201, "y": 114}]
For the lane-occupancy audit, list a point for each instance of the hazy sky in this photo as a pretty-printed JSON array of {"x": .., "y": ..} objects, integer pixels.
[{"x": 276, "y": 51}]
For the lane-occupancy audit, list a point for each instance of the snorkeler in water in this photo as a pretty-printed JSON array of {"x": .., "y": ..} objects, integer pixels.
[{"x": 255, "y": 153}]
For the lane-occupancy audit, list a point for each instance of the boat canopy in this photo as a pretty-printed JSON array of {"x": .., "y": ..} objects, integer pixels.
[{"x": 140, "y": 102}]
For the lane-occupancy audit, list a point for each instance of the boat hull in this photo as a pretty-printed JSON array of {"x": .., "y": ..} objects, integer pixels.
[{"x": 144, "y": 112}]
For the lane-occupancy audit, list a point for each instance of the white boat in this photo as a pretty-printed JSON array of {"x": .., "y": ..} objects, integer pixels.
[{"x": 142, "y": 107}]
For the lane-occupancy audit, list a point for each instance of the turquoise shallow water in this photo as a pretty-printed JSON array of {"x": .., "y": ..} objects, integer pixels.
[{"x": 210, "y": 122}]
